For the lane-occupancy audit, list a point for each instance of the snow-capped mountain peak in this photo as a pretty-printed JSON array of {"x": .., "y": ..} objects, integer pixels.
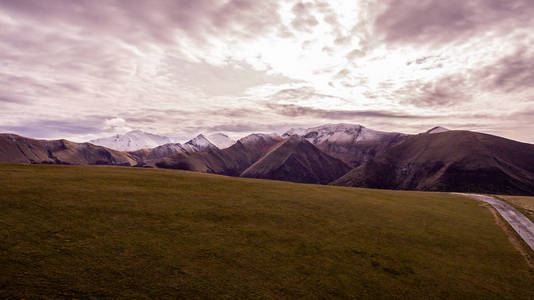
[
  {"x": 294, "y": 131},
  {"x": 199, "y": 144},
  {"x": 352, "y": 143},
  {"x": 437, "y": 129},
  {"x": 255, "y": 137},
  {"x": 337, "y": 133},
  {"x": 221, "y": 140},
  {"x": 132, "y": 140}
]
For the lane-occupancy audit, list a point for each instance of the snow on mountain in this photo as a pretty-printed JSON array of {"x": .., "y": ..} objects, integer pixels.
[
  {"x": 437, "y": 129},
  {"x": 199, "y": 144},
  {"x": 131, "y": 141},
  {"x": 221, "y": 140},
  {"x": 159, "y": 152},
  {"x": 352, "y": 143},
  {"x": 255, "y": 137},
  {"x": 337, "y": 133},
  {"x": 295, "y": 131}
]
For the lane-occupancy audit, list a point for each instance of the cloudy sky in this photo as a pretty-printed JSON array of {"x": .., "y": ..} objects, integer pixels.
[{"x": 84, "y": 69}]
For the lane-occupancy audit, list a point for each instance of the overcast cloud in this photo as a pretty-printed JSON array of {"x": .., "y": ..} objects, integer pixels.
[{"x": 85, "y": 69}]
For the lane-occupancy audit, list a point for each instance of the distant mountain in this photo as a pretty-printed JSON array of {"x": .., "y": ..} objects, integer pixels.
[
  {"x": 133, "y": 140},
  {"x": 352, "y": 143},
  {"x": 452, "y": 161},
  {"x": 295, "y": 159},
  {"x": 18, "y": 149},
  {"x": 144, "y": 156},
  {"x": 199, "y": 144},
  {"x": 230, "y": 161},
  {"x": 221, "y": 140}
]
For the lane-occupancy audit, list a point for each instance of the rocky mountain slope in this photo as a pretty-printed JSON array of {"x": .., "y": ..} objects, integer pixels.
[
  {"x": 221, "y": 140},
  {"x": 199, "y": 144},
  {"x": 18, "y": 149},
  {"x": 352, "y": 143},
  {"x": 145, "y": 156},
  {"x": 230, "y": 161},
  {"x": 455, "y": 161},
  {"x": 295, "y": 159}
]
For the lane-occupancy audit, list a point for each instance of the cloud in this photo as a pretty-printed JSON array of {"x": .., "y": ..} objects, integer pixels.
[
  {"x": 116, "y": 124},
  {"x": 291, "y": 110},
  {"x": 46, "y": 128},
  {"x": 145, "y": 21},
  {"x": 12, "y": 99},
  {"x": 304, "y": 93},
  {"x": 233, "y": 127},
  {"x": 181, "y": 67},
  {"x": 304, "y": 19},
  {"x": 435, "y": 21},
  {"x": 510, "y": 74},
  {"x": 444, "y": 92}
]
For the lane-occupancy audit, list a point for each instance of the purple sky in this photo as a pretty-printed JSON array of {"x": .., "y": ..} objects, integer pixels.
[{"x": 84, "y": 69}]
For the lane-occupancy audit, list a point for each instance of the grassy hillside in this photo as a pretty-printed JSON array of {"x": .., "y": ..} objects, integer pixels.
[
  {"x": 79, "y": 231},
  {"x": 452, "y": 161}
]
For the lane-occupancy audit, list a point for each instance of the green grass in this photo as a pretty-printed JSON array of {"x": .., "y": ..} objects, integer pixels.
[
  {"x": 524, "y": 204},
  {"x": 110, "y": 232}
]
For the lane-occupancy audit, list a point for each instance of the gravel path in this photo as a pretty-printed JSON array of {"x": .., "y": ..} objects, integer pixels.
[{"x": 521, "y": 224}]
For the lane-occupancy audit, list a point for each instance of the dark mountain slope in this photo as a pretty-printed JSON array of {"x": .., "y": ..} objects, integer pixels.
[
  {"x": 18, "y": 149},
  {"x": 230, "y": 161},
  {"x": 149, "y": 155},
  {"x": 295, "y": 159},
  {"x": 460, "y": 161},
  {"x": 354, "y": 144}
]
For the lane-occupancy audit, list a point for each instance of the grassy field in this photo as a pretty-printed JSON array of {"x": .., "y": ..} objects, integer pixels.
[
  {"x": 111, "y": 232},
  {"x": 524, "y": 203}
]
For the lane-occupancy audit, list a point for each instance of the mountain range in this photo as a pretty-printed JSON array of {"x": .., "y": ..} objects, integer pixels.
[
  {"x": 18, "y": 149},
  {"x": 230, "y": 161},
  {"x": 339, "y": 154},
  {"x": 133, "y": 140},
  {"x": 353, "y": 144},
  {"x": 137, "y": 140}
]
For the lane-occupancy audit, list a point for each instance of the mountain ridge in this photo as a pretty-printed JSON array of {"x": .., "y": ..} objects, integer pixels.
[
  {"x": 452, "y": 161},
  {"x": 296, "y": 159},
  {"x": 18, "y": 149},
  {"x": 352, "y": 143}
]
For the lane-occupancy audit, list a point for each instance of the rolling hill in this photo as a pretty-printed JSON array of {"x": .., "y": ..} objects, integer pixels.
[
  {"x": 460, "y": 161},
  {"x": 83, "y": 232}
]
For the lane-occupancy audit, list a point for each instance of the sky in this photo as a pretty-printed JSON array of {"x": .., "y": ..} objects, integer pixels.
[{"x": 85, "y": 69}]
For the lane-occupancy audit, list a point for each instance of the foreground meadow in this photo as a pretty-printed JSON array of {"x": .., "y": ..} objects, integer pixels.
[{"x": 112, "y": 232}]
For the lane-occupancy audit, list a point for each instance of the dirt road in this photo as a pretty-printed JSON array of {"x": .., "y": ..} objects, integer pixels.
[{"x": 521, "y": 224}]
